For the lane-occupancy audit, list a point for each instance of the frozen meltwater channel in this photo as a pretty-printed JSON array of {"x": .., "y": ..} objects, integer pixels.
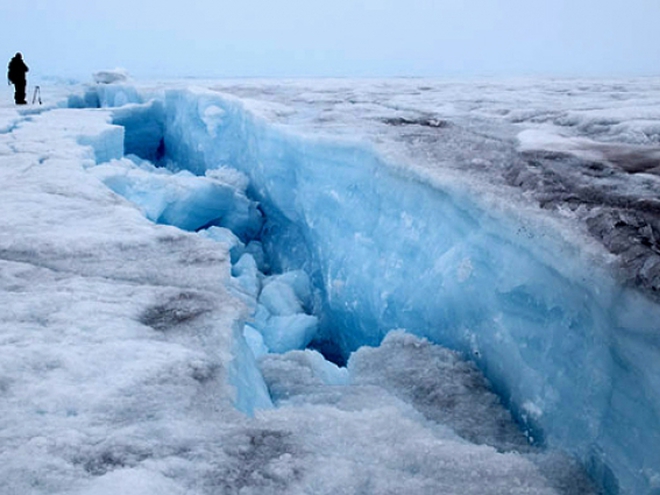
[
  {"x": 332, "y": 249},
  {"x": 130, "y": 343},
  {"x": 277, "y": 273}
]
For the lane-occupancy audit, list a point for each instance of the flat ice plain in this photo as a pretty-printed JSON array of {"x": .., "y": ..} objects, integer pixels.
[{"x": 183, "y": 265}]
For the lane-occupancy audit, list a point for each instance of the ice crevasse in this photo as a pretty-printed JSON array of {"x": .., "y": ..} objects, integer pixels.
[{"x": 570, "y": 352}]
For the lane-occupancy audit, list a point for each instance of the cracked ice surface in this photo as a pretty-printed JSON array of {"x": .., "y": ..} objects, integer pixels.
[
  {"x": 421, "y": 239},
  {"x": 124, "y": 353},
  {"x": 122, "y": 361}
]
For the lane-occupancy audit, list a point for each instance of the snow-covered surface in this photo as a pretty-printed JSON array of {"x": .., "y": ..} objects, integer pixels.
[{"x": 504, "y": 220}]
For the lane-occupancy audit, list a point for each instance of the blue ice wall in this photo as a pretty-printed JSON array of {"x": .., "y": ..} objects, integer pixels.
[
  {"x": 574, "y": 356},
  {"x": 144, "y": 129}
]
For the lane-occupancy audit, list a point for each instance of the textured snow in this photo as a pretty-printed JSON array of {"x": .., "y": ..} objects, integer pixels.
[{"x": 141, "y": 357}]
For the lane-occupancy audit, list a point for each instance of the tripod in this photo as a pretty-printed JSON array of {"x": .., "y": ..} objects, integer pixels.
[{"x": 37, "y": 95}]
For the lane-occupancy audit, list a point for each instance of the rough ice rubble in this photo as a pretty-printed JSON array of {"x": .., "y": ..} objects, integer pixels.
[
  {"x": 280, "y": 304},
  {"x": 181, "y": 199},
  {"x": 561, "y": 341},
  {"x": 120, "y": 347},
  {"x": 265, "y": 452},
  {"x": 247, "y": 273},
  {"x": 424, "y": 384}
]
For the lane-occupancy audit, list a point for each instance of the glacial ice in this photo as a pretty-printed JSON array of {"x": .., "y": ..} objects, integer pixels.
[
  {"x": 558, "y": 338},
  {"x": 332, "y": 247}
]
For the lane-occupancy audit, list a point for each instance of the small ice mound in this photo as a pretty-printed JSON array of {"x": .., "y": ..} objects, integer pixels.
[
  {"x": 387, "y": 435},
  {"x": 111, "y": 76},
  {"x": 424, "y": 379},
  {"x": 441, "y": 385}
]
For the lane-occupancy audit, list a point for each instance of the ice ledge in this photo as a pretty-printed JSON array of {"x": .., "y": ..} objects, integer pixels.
[{"x": 108, "y": 319}]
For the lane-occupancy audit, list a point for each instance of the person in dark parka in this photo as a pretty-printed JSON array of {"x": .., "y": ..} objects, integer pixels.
[{"x": 16, "y": 75}]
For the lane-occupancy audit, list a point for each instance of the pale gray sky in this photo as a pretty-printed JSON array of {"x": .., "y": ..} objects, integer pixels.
[{"x": 281, "y": 38}]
